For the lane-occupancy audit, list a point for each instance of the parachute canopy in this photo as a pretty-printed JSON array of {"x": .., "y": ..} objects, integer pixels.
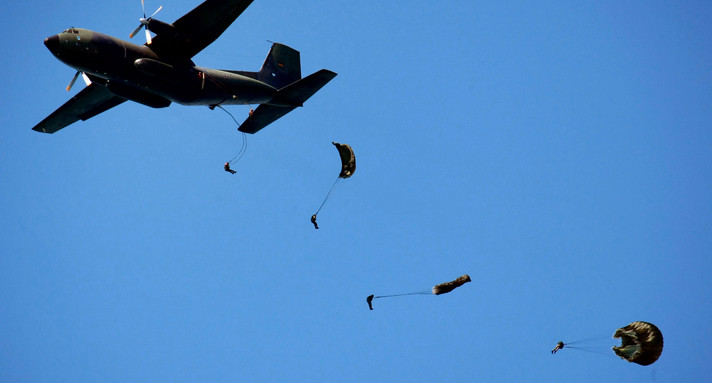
[
  {"x": 348, "y": 160},
  {"x": 642, "y": 343},
  {"x": 449, "y": 286}
]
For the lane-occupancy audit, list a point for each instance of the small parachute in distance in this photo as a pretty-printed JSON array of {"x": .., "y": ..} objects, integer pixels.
[
  {"x": 437, "y": 290},
  {"x": 642, "y": 343},
  {"x": 449, "y": 286},
  {"x": 348, "y": 160}
]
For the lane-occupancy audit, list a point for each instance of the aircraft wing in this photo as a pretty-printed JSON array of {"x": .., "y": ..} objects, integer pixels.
[
  {"x": 199, "y": 28},
  {"x": 91, "y": 101}
]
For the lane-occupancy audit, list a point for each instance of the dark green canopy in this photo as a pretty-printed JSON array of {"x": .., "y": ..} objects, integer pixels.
[
  {"x": 348, "y": 160},
  {"x": 642, "y": 343},
  {"x": 449, "y": 286}
]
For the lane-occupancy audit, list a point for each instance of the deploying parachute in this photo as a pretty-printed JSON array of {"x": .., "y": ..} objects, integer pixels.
[
  {"x": 642, "y": 343},
  {"x": 348, "y": 160},
  {"x": 348, "y": 167},
  {"x": 436, "y": 290},
  {"x": 449, "y": 286}
]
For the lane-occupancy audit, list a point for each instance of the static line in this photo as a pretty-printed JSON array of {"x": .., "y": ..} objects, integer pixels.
[{"x": 243, "y": 148}]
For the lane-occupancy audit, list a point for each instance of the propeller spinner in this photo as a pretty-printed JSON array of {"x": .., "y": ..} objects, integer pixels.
[{"x": 144, "y": 23}]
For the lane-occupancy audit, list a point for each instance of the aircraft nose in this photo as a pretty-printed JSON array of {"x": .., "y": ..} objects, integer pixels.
[{"x": 52, "y": 43}]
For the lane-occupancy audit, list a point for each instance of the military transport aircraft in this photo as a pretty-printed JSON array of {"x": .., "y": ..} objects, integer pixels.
[{"x": 161, "y": 71}]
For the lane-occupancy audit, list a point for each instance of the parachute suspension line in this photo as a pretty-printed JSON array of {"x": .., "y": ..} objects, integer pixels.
[
  {"x": 331, "y": 191},
  {"x": 400, "y": 295},
  {"x": 243, "y": 148},
  {"x": 589, "y": 340},
  {"x": 591, "y": 350}
]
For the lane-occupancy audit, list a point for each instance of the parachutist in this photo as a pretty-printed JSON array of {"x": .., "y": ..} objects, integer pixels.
[
  {"x": 558, "y": 347},
  {"x": 227, "y": 168},
  {"x": 369, "y": 299},
  {"x": 313, "y": 220}
]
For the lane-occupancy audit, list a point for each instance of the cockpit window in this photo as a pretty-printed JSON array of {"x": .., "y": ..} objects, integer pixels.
[{"x": 71, "y": 30}]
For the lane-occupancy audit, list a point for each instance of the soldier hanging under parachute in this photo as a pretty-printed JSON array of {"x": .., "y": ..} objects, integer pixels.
[
  {"x": 641, "y": 343},
  {"x": 348, "y": 167}
]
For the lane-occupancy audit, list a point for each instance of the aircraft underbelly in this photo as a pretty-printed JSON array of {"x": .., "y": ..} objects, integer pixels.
[{"x": 201, "y": 86}]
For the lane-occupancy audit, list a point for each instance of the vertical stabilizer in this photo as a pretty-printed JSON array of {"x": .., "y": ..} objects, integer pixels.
[{"x": 281, "y": 67}]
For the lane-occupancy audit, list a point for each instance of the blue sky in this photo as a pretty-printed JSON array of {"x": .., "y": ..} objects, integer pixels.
[{"x": 557, "y": 153}]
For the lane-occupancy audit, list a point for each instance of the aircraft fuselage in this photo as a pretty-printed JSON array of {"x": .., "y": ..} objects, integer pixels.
[{"x": 137, "y": 73}]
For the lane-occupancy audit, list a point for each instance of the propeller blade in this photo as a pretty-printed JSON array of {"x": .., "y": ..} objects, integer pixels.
[
  {"x": 135, "y": 31},
  {"x": 86, "y": 79},
  {"x": 154, "y": 13},
  {"x": 144, "y": 23},
  {"x": 71, "y": 83}
]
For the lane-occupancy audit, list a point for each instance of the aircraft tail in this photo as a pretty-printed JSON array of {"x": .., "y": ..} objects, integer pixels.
[
  {"x": 281, "y": 67},
  {"x": 288, "y": 98}
]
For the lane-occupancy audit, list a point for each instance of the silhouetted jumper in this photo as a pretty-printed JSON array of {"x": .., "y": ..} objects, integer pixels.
[{"x": 227, "y": 168}]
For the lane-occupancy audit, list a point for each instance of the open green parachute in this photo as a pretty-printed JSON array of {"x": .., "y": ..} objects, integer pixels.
[{"x": 642, "y": 343}]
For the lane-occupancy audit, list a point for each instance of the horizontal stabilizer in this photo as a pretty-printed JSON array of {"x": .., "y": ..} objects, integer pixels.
[
  {"x": 296, "y": 93},
  {"x": 264, "y": 115},
  {"x": 287, "y": 99}
]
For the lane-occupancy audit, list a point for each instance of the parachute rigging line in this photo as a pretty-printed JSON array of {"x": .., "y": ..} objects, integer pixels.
[
  {"x": 592, "y": 350},
  {"x": 589, "y": 340},
  {"x": 328, "y": 195},
  {"x": 243, "y": 148},
  {"x": 400, "y": 295}
]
